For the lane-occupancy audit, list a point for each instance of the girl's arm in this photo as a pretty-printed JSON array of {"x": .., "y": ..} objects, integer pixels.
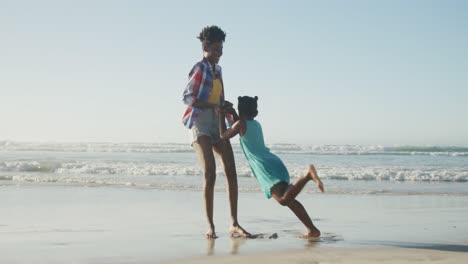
[{"x": 227, "y": 133}]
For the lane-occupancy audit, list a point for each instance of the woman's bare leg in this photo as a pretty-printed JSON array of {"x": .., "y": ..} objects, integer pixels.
[
  {"x": 203, "y": 148},
  {"x": 224, "y": 150}
]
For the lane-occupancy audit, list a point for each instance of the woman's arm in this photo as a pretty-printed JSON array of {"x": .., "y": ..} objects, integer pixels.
[
  {"x": 193, "y": 85},
  {"x": 233, "y": 113},
  {"x": 200, "y": 104},
  {"x": 227, "y": 107},
  {"x": 190, "y": 98}
]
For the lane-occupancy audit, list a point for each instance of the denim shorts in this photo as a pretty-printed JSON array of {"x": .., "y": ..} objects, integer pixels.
[{"x": 206, "y": 124}]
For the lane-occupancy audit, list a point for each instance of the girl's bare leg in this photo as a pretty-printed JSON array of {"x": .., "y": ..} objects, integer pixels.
[
  {"x": 315, "y": 177},
  {"x": 203, "y": 148},
  {"x": 294, "y": 189},
  {"x": 301, "y": 213},
  {"x": 224, "y": 150},
  {"x": 285, "y": 195}
]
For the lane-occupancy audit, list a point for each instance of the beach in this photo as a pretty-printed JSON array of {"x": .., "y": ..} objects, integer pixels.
[
  {"x": 110, "y": 112},
  {"x": 142, "y": 203},
  {"x": 351, "y": 256},
  {"x": 71, "y": 224}
]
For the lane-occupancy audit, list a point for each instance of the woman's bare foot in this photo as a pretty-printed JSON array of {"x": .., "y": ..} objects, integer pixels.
[
  {"x": 210, "y": 233},
  {"x": 313, "y": 174},
  {"x": 312, "y": 233},
  {"x": 239, "y": 231}
]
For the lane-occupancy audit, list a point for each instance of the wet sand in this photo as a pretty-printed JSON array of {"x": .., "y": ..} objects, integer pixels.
[
  {"x": 71, "y": 224},
  {"x": 341, "y": 255}
]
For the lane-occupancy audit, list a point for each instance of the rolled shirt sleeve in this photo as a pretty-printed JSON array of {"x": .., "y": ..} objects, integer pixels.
[{"x": 193, "y": 87}]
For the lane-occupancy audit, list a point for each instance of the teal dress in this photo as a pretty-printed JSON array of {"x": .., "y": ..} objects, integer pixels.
[{"x": 267, "y": 168}]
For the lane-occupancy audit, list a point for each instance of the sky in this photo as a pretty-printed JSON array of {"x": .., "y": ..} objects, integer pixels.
[{"x": 325, "y": 72}]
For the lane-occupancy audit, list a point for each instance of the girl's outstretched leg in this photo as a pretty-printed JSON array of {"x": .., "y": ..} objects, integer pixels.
[
  {"x": 294, "y": 189},
  {"x": 313, "y": 173}
]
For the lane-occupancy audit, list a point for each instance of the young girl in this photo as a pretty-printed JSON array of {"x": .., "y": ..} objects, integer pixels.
[{"x": 269, "y": 170}]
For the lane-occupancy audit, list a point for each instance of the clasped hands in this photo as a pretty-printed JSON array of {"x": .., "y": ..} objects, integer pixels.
[{"x": 225, "y": 107}]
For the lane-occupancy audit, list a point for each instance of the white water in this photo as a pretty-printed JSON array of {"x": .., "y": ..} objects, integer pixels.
[{"x": 379, "y": 169}]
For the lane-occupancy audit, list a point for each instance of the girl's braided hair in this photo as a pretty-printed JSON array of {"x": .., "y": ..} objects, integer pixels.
[{"x": 247, "y": 106}]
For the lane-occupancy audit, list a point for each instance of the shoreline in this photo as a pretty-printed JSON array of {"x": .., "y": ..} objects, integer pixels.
[{"x": 220, "y": 187}]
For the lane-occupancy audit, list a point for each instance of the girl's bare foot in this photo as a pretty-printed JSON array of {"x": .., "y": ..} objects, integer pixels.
[
  {"x": 210, "y": 233},
  {"x": 313, "y": 174},
  {"x": 238, "y": 230},
  {"x": 312, "y": 233}
]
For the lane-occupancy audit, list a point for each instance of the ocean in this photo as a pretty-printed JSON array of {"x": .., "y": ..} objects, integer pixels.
[
  {"x": 345, "y": 169},
  {"x": 142, "y": 202}
]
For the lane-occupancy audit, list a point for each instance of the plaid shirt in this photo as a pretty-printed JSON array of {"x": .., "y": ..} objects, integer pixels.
[{"x": 199, "y": 88}]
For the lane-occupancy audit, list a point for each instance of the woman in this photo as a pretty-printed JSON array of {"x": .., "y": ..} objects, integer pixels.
[{"x": 204, "y": 97}]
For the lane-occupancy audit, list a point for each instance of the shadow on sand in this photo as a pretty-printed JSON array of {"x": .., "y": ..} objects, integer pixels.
[{"x": 434, "y": 246}]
